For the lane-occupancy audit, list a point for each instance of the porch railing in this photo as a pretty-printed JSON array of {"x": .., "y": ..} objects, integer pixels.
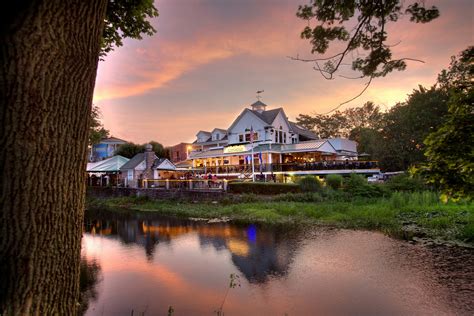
[{"x": 282, "y": 167}]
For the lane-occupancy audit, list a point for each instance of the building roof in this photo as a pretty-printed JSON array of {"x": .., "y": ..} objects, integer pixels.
[
  {"x": 112, "y": 140},
  {"x": 113, "y": 164},
  {"x": 204, "y": 132},
  {"x": 312, "y": 145},
  {"x": 163, "y": 164},
  {"x": 134, "y": 162},
  {"x": 219, "y": 130},
  {"x": 258, "y": 103},
  {"x": 301, "y": 131},
  {"x": 344, "y": 145},
  {"x": 267, "y": 116}
]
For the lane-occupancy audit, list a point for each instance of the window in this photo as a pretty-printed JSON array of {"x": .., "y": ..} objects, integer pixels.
[
  {"x": 284, "y": 137},
  {"x": 217, "y": 136},
  {"x": 241, "y": 138}
]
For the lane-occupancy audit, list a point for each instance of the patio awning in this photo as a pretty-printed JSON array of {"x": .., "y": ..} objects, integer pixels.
[{"x": 112, "y": 164}]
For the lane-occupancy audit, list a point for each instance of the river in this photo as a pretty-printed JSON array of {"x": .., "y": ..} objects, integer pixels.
[{"x": 145, "y": 263}]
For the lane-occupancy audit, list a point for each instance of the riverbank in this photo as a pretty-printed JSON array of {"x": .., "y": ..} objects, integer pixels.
[{"x": 402, "y": 215}]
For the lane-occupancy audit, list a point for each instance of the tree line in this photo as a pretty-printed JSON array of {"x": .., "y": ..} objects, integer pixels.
[{"x": 431, "y": 132}]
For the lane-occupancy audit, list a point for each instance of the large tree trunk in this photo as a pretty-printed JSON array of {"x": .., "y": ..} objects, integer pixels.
[{"x": 49, "y": 56}]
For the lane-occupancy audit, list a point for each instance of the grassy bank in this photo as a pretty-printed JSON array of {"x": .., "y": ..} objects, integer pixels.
[{"x": 404, "y": 215}]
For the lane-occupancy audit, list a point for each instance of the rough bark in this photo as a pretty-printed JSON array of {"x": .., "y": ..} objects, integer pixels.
[{"x": 49, "y": 56}]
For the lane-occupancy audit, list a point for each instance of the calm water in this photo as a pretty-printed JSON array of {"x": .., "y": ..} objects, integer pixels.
[{"x": 147, "y": 263}]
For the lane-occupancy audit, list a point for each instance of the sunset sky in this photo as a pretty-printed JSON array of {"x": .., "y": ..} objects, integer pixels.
[{"x": 209, "y": 57}]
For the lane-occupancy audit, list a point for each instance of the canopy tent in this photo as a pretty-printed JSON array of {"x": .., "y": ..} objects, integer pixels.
[{"x": 109, "y": 165}]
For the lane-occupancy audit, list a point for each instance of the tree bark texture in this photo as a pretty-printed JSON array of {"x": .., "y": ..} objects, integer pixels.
[{"x": 49, "y": 56}]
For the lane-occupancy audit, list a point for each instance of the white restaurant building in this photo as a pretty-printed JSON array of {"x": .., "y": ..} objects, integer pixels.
[{"x": 280, "y": 147}]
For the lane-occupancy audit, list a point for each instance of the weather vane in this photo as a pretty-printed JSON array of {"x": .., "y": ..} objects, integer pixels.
[{"x": 258, "y": 94}]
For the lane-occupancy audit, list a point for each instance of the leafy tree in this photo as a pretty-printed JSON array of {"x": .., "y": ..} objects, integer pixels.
[
  {"x": 129, "y": 150},
  {"x": 369, "y": 141},
  {"x": 407, "y": 125},
  {"x": 158, "y": 149},
  {"x": 97, "y": 132},
  {"x": 450, "y": 149},
  {"x": 340, "y": 124},
  {"x": 368, "y": 35},
  {"x": 49, "y": 56}
]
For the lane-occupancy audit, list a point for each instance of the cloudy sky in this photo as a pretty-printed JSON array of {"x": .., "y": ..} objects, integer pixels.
[{"x": 209, "y": 57}]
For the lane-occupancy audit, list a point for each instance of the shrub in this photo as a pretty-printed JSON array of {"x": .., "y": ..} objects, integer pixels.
[
  {"x": 309, "y": 184},
  {"x": 334, "y": 181},
  {"x": 262, "y": 187},
  {"x": 354, "y": 182},
  {"x": 357, "y": 186},
  {"x": 406, "y": 183}
]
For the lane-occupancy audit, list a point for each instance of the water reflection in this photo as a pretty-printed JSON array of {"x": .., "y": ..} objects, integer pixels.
[
  {"x": 148, "y": 263},
  {"x": 256, "y": 252},
  {"x": 89, "y": 278}
]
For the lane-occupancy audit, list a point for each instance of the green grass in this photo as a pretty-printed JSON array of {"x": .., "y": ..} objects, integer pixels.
[{"x": 396, "y": 215}]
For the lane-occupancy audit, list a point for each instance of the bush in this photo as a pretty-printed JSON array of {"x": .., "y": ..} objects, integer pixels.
[
  {"x": 309, "y": 184},
  {"x": 406, "y": 183},
  {"x": 334, "y": 181},
  {"x": 354, "y": 182},
  {"x": 262, "y": 187},
  {"x": 356, "y": 185}
]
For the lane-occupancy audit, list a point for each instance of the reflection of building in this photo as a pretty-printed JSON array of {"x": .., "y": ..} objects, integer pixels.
[
  {"x": 279, "y": 147},
  {"x": 106, "y": 148},
  {"x": 256, "y": 252}
]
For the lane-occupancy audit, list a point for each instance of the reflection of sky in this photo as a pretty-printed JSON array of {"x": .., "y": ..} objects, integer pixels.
[
  {"x": 331, "y": 273},
  {"x": 210, "y": 56}
]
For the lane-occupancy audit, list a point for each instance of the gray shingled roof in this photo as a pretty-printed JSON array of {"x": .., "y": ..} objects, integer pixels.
[
  {"x": 268, "y": 116},
  {"x": 301, "y": 131},
  {"x": 135, "y": 161}
]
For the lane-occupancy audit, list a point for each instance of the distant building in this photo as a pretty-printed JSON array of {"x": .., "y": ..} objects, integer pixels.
[
  {"x": 280, "y": 147},
  {"x": 180, "y": 152},
  {"x": 105, "y": 149},
  {"x": 145, "y": 166}
]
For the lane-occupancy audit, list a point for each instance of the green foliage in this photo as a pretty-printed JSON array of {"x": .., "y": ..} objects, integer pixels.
[
  {"x": 450, "y": 149},
  {"x": 354, "y": 181},
  {"x": 129, "y": 150},
  {"x": 96, "y": 130},
  {"x": 262, "y": 187},
  {"x": 309, "y": 184},
  {"x": 127, "y": 19},
  {"x": 334, "y": 181},
  {"x": 357, "y": 186},
  {"x": 422, "y": 210},
  {"x": 340, "y": 124},
  {"x": 369, "y": 34},
  {"x": 159, "y": 150},
  {"x": 407, "y": 125},
  {"x": 300, "y": 197},
  {"x": 406, "y": 183}
]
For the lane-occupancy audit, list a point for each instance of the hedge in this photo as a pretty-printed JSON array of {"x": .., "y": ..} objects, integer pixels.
[{"x": 263, "y": 187}]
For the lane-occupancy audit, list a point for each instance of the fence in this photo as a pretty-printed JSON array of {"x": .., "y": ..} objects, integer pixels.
[{"x": 199, "y": 184}]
